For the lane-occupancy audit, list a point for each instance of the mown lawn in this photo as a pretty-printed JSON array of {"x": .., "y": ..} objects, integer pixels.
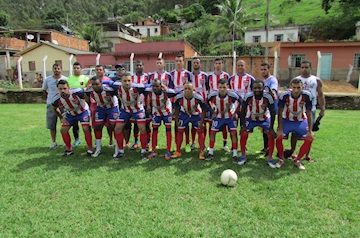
[{"x": 46, "y": 195}]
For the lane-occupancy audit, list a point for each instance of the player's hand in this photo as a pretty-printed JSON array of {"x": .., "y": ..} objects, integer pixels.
[
  {"x": 272, "y": 133},
  {"x": 163, "y": 87},
  {"x": 279, "y": 133},
  {"x": 242, "y": 129},
  {"x": 148, "y": 109}
]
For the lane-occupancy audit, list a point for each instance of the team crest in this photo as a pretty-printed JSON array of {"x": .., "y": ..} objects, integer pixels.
[
  {"x": 107, "y": 98},
  {"x": 134, "y": 95},
  {"x": 81, "y": 83},
  {"x": 86, "y": 118}
]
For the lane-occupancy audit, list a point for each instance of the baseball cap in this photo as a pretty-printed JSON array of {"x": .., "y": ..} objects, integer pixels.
[{"x": 120, "y": 67}]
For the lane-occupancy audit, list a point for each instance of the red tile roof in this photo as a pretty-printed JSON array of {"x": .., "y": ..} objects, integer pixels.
[{"x": 150, "y": 48}]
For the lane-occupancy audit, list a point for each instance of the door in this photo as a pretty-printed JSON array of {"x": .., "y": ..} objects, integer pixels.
[{"x": 325, "y": 70}]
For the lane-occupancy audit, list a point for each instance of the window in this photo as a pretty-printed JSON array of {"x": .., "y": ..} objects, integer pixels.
[
  {"x": 58, "y": 62},
  {"x": 279, "y": 37},
  {"x": 296, "y": 60},
  {"x": 256, "y": 39},
  {"x": 357, "y": 61},
  {"x": 170, "y": 65},
  {"x": 32, "y": 66},
  {"x": 155, "y": 30}
]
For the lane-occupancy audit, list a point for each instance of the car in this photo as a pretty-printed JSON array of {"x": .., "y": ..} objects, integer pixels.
[
  {"x": 110, "y": 73},
  {"x": 90, "y": 72}
]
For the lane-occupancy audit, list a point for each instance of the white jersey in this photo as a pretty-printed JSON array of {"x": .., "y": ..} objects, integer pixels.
[{"x": 310, "y": 84}]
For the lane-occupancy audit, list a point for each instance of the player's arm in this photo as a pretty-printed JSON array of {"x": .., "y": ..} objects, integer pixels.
[
  {"x": 209, "y": 102},
  {"x": 321, "y": 97}
]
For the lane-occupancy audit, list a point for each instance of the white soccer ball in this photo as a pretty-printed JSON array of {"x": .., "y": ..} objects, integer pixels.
[{"x": 229, "y": 178}]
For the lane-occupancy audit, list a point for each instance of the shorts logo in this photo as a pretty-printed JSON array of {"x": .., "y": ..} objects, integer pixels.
[
  {"x": 169, "y": 119},
  {"x": 86, "y": 118},
  {"x": 115, "y": 115},
  {"x": 141, "y": 115}
]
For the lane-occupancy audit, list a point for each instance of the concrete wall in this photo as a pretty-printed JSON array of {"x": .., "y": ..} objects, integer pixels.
[
  {"x": 70, "y": 41},
  {"x": 289, "y": 35}
]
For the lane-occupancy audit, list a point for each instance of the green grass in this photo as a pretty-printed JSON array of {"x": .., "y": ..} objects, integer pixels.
[{"x": 46, "y": 195}]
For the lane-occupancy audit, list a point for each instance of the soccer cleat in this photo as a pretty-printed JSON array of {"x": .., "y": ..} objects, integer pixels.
[
  {"x": 77, "y": 142},
  {"x": 53, "y": 146},
  {"x": 242, "y": 160},
  {"x": 236, "y": 159},
  {"x": 299, "y": 165},
  {"x": 176, "y": 155},
  {"x": 68, "y": 153},
  {"x": 187, "y": 148},
  {"x": 308, "y": 158},
  {"x": 193, "y": 146},
  {"x": 119, "y": 155},
  {"x": 287, "y": 153},
  {"x": 89, "y": 153},
  {"x": 226, "y": 148},
  {"x": 168, "y": 156},
  {"x": 96, "y": 153},
  {"x": 209, "y": 157},
  {"x": 280, "y": 163},
  {"x": 144, "y": 156},
  {"x": 134, "y": 146},
  {"x": 201, "y": 156},
  {"x": 271, "y": 164},
  {"x": 152, "y": 155}
]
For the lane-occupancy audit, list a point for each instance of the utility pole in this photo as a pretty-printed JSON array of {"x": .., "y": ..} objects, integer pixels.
[{"x": 267, "y": 30}]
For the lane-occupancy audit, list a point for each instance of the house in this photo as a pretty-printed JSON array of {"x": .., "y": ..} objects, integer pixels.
[
  {"x": 148, "y": 52},
  {"x": 116, "y": 32},
  {"x": 148, "y": 28},
  {"x": 32, "y": 58},
  {"x": 276, "y": 34}
]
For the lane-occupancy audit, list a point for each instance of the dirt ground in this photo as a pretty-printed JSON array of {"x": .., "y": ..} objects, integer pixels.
[{"x": 338, "y": 87}]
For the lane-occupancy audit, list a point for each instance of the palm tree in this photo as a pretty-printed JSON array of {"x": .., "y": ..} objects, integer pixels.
[
  {"x": 93, "y": 34},
  {"x": 232, "y": 19}
]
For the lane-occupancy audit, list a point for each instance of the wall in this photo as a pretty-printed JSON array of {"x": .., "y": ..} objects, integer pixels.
[
  {"x": 291, "y": 33},
  {"x": 143, "y": 30},
  {"x": 70, "y": 41}
]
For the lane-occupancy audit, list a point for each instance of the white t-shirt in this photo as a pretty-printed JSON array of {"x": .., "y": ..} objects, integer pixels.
[
  {"x": 310, "y": 84},
  {"x": 49, "y": 85}
]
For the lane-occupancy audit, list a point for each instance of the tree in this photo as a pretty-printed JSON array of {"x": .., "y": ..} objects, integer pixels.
[
  {"x": 349, "y": 6},
  {"x": 93, "y": 34},
  {"x": 4, "y": 19},
  {"x": 193, "y": 12},
  {"x": 54, "y": 18}
]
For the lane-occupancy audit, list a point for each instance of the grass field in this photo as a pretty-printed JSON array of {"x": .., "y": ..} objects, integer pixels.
[{"x": 46, "y": 195}]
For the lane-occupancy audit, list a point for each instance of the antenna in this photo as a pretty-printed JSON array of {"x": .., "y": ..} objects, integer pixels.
[{"x": 30, "y": 37}]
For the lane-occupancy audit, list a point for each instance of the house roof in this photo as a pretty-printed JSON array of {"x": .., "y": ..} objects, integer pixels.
[
  {"x": 59, "y": 47},
  {"x": 168, "y": 47}
]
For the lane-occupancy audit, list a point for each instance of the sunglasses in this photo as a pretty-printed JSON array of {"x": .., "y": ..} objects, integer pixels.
[{"x": 117, "y": 69}]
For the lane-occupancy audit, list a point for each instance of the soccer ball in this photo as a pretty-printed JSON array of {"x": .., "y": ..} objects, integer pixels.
[{"x": 229, "y": 178}]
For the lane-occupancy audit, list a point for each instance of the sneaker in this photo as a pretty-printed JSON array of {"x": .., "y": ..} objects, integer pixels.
[
  {"x": 271, "y": 164},
  {"x": 287, "y": 153},
  {"x": 77, "y": 142},
  {"x": 226, "y": 148},
  {"x": 201, "y": 156},
  {"x": 299, "y": 165},
  {"x": 89, "y": 153},
  {"x": 53, "y": 146},
  {"x": 236, "y": 159},
  {"x": 242, "y": 160},
  {"x": 176, "y": 155},
  {"x": 209, "y": 157},
  {"x": 193, "y": 146},
  {"x": 144, "y": 156},
  {"x": 134, "y": 146},
  {"x": 308, "y": 158},
  {"x": 119, "y": 155},
  {"x": 68, "y": 153},
  {"x": 168, "y": 156},
  {"x": 152, "y": 155},
  {"x": 96, "y": 153},
  {"x": 187, "y": 148},
  {"x": 280, "y": 163}
]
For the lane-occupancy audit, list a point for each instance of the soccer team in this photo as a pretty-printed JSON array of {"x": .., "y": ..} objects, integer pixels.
[{"x": 185, "y": 97}]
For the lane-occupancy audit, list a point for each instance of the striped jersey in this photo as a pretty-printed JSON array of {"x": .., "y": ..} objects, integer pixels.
[
  {"x": 74, "y": 104},
  {"x": 192, "y": 106},
  {"x": 295, "y": 108},
  {"x": 213, "y": 79},
  {"x": 199, "y": 82},
  {"x": 241, "y": 84},
  {"x": 140, "y": 78},
  {"x": 105, "y": 99},
  {"x": 130, "y": 99},
  {"x": 165, "y": 78},
  {"x": 161, "y": 105},
  {"x": 180, "y": 78},
  {"x": 223, "y": 105},
  {"x": 258, "y": 109}
]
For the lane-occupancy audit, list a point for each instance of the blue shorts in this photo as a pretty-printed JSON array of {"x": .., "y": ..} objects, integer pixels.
[
  {"x": 208, "y": 116},
  {"x": 299, "y": 127},
  {"x": 219, "y": 123},
  {"x": 185, "y": 119},
  {"x": 83, "y": 118},
  {"x": 265, "y": 125},
  {"x": 106, "y": 113},
  {"x": 124, "y": 117},
  {"x": 156, "y": 120}
]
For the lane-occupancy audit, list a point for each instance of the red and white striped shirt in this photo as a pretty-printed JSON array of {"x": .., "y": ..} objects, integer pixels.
[
  {"x": 140, "y": 78},
  {"x": 161, "y": 105},
  {"x": 130, "y": 99},
  {"x": 241, "y": 84},
  {"x": 192, "y": 106},
  {"x": 165, "y": 78},
  {"x": 213, "y": 79},
  {"x": 295, "y": 108},
  {"x": 223, "y": 105},
  {"x": 258, "y": 109},
  {"x": 199, "y": 82},
  {"x": 73, "y": 104},
  {"x": 180, "y": 78},
  {"x": 106, "y": 98}
]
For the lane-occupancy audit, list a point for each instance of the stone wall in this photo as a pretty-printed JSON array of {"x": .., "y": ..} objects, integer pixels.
[{"x": 333, "y": 101}]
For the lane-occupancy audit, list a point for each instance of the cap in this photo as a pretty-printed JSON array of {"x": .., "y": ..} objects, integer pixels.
[{"x": 120, "y": 67}]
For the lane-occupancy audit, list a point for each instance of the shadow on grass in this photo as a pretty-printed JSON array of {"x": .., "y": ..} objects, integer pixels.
[{"x": 255, "y": 169}]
